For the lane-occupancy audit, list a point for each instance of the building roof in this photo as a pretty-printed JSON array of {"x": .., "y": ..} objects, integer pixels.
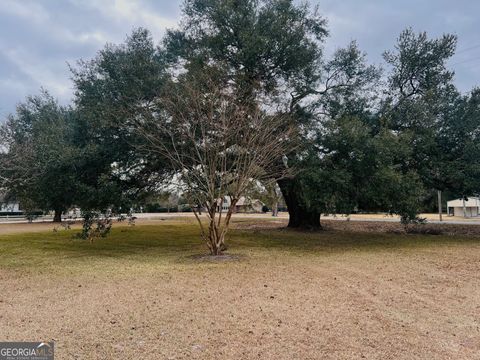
[
  {"x": 242, "y": 201},
  {"x": 246, "y": 201}
]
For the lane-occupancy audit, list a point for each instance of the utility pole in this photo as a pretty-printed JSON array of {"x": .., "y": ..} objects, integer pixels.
[{"x": 439, "y": 192}]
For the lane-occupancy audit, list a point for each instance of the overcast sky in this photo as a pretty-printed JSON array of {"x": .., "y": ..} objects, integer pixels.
[{"x": 38, "y": 38}]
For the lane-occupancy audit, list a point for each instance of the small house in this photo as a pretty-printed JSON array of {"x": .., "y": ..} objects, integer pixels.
[
  {"x": 469, "y": 207},
  {"x": 9, "y": 206},
  {"x": 243, "y": 205}
]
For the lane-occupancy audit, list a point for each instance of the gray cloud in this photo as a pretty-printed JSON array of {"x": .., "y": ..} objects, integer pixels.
[
  {"x": 39, "y": 38},
  {"x": 376, "y": 24}
]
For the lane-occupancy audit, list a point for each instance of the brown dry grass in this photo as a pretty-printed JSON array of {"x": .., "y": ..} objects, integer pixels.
[{"x": 139, "y": 294}]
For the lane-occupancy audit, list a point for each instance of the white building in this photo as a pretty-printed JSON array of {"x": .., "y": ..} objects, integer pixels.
[
  {"x": 10, "y": 207},
  {"x": 471, "y": 206},
  {"x": 244, "y": 205}
]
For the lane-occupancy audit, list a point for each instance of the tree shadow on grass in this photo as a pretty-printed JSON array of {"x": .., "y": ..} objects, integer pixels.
[
  {"x": 333, "y": 240},
  {"x": 156, "y": 243}
]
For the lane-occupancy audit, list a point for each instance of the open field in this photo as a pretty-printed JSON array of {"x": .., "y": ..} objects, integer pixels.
[{"x": 289, "y": 295}]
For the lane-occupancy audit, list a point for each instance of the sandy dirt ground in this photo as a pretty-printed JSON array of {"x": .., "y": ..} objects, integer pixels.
[
  {"x": 353, "y": 303},
  {"x": 259, "y": 220},
  {"x": 359, "y": 217},
  {"x": 432, "y": 218}
]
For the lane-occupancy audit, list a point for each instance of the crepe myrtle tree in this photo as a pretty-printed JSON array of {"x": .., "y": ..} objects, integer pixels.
[{"x": 218, "y": 146}]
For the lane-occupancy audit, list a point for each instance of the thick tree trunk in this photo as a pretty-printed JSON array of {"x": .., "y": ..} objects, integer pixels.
[
  {"x": 57, "y": 217},
  {"x": 303, "y": 218},
  {"x": 299, "y": 216}
]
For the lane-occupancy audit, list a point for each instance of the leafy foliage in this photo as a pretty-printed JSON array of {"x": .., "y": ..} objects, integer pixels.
[
  {"x": 143, "y": 116},
  {"x": 38, "y": 168},
  {"x": 112, "y": 91}
]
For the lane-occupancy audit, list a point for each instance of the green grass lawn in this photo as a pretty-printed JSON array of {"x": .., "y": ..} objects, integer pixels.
[{"x": 173, "y": 241}]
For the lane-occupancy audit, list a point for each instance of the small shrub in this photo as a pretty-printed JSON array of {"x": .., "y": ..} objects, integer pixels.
[
  {"x": 128, "y": 217},
  {"x": 95, "y": 225}
]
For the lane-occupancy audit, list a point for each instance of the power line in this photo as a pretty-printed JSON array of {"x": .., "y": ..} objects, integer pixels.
[
  {"x": 468, "y": 49},
  {"x": 473, "y": 47},
  {"x": 465, "y": 61}
]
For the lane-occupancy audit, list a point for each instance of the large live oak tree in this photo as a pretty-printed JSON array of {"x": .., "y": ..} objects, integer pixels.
[
  {"x": 37, "y": 167},
  {"x": 425, "y": 109},
  {"x": 273, "y": 53},
  {"x": 111, "y": 90}
]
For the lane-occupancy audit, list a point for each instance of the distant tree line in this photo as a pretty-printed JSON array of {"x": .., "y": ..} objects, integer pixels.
[{"x": 241, "y": 94}]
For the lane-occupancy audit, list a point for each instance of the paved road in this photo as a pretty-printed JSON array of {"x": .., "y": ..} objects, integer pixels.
[
  {"x": 394, "y": 220},
  {"x": 446, "y": 220},
  {"x": 362, "y": 218}
]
